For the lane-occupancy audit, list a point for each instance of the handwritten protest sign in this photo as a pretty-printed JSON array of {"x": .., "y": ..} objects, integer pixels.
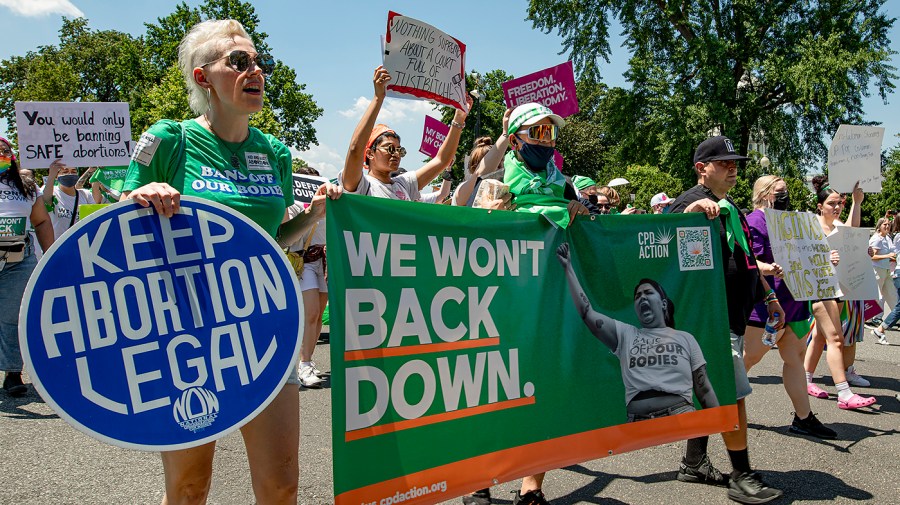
[
  {"x": 434, "y": 360},
  {"x": 800, "y": 247},
  {"x": 855, "y": 155},
  {"x": 855, "y": 273},
  {"x": 157, "y": 334},
  {"x": 305, "y": 187},
  {"x": 81, "y": 133},
  {"x": 433, "y": 136},
  {"x": 424, "y": 62},
  {"x": 553, "y": 87}
]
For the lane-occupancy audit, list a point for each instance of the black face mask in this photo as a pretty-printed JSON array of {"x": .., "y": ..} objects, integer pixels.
[
  {"x": 535, "y": 156},
  {"x": 782, "y": 201},
  {"x": 593, "y": 199}
]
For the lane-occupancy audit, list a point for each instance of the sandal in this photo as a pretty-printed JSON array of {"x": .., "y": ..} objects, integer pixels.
[
  {"x": 856, "y": 402},
  {"x": 816, "y": 391}
]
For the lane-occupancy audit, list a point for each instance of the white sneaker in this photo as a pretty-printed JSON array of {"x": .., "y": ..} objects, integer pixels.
[
  {"x": 882, "y": 338},
  {"x": 854, "y": 379},
  {"x": 320, "y": 374},
  {"x": 308, "y": 377}
]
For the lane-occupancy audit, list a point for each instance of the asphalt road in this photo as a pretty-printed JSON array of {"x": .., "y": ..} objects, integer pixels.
[{"x": 45, "y": 461}]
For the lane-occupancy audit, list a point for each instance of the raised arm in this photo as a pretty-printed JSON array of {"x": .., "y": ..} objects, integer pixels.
[
  {"x": 51, "y": 180},
  {"x": 856, "y": 208},
  {"x": 703, "y": 389},
  {"x": 430, "y": 170},
  {"x": 487, "y": 164},
  {"x": 356, "y": 153},
  {"x": 294, "y": 228},
  {"x": 603, "y": 327}
]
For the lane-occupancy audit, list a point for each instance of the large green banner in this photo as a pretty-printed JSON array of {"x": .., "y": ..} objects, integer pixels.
[{"x": 464, "y": 354}]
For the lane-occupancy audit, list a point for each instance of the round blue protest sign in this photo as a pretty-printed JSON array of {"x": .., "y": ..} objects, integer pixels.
[{"x": 158, "y": 333}]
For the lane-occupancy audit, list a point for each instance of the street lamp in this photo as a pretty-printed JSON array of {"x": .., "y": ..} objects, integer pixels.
[{"x": 477, "y": 95}]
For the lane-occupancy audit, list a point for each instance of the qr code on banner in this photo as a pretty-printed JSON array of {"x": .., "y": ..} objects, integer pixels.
[{"x": 694, "y": 249}]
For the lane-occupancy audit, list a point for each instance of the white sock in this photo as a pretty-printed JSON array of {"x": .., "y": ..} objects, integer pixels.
[
  {"x": 305, "y": 364},
  {"x": 809, "y": 377},
  {"x": 844, "y": 392}
]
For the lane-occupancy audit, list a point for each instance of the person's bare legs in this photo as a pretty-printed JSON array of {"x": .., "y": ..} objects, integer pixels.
[
  {"x": 188, "y": 474},
  {"x": 754, "y": 348},
  {"x": 313, "y": 324},
  {"x": 532, "y": 483},
  {"x": 792, "y": 351},
  {"x": 828, "y": 328},
  {"x": 273, "y": 442}
]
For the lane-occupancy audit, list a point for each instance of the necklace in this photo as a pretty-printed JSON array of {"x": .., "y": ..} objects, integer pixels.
[{"x": 235, "y": 161}]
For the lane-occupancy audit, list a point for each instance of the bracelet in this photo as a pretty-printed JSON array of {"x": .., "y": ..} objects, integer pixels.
[
  {"x": 458, "y": 125},
  {"x": 772, "y": 300}
]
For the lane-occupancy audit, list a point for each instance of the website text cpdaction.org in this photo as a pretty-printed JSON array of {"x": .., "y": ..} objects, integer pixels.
[{"x": 414, "y": 492}]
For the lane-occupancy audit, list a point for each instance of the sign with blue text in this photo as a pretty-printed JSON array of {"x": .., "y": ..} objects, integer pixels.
[{"x": 157, "y": 333}]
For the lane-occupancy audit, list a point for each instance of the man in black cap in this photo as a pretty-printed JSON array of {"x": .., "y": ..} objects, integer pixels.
[{"x": 715, "y": 162}]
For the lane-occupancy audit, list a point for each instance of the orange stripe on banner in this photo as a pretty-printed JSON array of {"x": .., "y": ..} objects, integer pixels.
[
  {"x": 461, "y": 477},
  {"x": 436, "y": 418},
  {"x": 409, "y": 350}
]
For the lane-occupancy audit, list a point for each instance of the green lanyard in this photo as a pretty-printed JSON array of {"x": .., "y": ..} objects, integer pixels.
[{"x": 733, "y": 229}]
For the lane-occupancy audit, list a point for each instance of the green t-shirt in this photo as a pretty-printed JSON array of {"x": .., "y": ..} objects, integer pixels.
[{"x": 200, "y": 165}]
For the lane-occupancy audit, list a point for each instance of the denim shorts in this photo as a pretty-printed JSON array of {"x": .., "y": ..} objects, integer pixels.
[
  {"x": 742, "y": 387},
  {"x": 13, "y": 279},
  {"x": 680, "y": 408}
]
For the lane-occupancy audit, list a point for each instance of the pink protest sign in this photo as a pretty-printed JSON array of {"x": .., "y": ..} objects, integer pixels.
[
  {"x": 433, "y": 136},
  {"x": 558, "y": 159},
  {"x": 553, "y": 87}
]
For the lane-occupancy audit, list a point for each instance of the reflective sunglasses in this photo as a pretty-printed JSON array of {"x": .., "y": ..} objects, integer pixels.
[
  {"x": 542, "y": 132},
  {"x": 391, "y": 150},
  {"x": 240, "y": 61}
]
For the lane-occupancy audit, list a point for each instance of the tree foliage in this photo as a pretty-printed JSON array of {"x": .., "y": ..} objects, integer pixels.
[
  {"x": 110, "y": 66},
  {"x": 787, "y": 72}
]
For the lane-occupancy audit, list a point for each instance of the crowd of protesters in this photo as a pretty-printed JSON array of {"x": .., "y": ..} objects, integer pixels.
[{"x": 225, "y": 78}]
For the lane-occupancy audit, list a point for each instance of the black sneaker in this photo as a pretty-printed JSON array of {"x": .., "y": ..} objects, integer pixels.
[
  {"x": 13, "y": 384},
  {"x": 812, "y": 427},
  {"x": 480, "y": 497},
  {"x": 535, "y": 497},
  {"x": 704, "y": 473},
  {"x": 748, "y": 488}
]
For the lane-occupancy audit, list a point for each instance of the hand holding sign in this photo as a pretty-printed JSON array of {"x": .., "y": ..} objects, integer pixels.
[{"x": 165, "y": 199}]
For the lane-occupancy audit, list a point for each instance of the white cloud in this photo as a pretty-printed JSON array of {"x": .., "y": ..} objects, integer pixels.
[
  {"x": 394, "y": 110},
  {"x": 323, "y": 158},
  {"x": 34, "y": 8}
]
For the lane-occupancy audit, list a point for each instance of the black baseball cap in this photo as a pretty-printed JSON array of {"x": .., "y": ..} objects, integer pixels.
[{"x": 716, "y": 149}]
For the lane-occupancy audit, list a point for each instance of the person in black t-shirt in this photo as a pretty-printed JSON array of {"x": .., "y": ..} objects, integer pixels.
[{"x": 715, "y": 162}]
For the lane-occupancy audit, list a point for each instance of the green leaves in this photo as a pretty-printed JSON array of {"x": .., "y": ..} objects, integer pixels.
[{"x": 110, "y": 66}]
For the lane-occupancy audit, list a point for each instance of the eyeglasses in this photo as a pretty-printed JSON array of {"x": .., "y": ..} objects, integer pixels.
[
  {"x": 240, "y": 61},
  {"x": 603, "y": 206},
  {"x": 5, "y": 152},
  {"x": 542, "y": 132},
  {"x": 391, "y": 150}
]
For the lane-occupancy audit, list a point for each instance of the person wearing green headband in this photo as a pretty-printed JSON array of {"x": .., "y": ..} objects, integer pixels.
[
  {"x": 539, "y": 187},
  {"x": 715, "y": 163}
]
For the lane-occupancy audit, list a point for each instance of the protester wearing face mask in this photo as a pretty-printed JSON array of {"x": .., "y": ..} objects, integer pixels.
[
  {"x": 532, "y": 176},
  {"x": 770, "y": 191},
  {"x": 62, "y": 201}
]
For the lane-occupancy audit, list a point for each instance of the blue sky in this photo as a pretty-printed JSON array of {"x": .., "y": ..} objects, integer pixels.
[{"x": 334, "y": 46}]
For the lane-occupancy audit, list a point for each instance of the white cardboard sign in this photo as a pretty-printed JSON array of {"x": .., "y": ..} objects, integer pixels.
[
  {"x": 799, "y": 246},
  {"x": 81, "y": 133},
  {"x": 855, "y": 273},
  {"x": 855, "y": 155}
]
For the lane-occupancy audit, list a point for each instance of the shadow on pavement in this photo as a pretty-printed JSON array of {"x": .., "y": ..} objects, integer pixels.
[
  {"x": 12, "y": 407},
  {"x": 847, "y": 432}
]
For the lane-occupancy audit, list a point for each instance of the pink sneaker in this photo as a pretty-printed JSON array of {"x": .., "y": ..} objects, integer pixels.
[
  {"x": 856, "y": 402},
  {"x": 815, "y": 391}
]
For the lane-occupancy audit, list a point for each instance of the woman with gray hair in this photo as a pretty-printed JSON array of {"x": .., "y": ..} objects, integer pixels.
[{"x": 210, "y": 157}]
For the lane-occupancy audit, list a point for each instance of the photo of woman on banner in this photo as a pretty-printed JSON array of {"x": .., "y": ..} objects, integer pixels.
[{"x": 661, "y": 366}]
